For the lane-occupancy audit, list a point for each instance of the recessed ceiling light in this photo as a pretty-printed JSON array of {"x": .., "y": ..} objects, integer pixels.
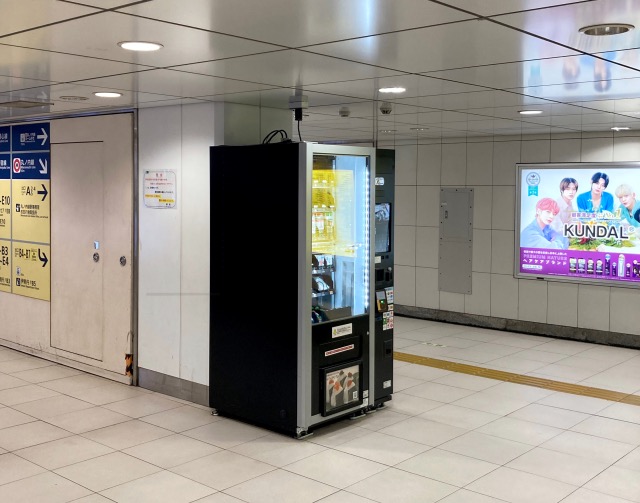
[
  {"x": 620, "y": 128},
  {"x": 530, "y": 112},
  {"x": 387, "y": 131},
  {"x": 110, "y": 94},
  {"x": 600, "y": 30},
  {"x": 418, "y": 128},
  {"x": 140, "y": 46},
  {"x": 394, "y": 90}
]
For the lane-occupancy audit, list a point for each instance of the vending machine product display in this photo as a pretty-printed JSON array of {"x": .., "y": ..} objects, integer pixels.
[{"x": 291, "y": 267}]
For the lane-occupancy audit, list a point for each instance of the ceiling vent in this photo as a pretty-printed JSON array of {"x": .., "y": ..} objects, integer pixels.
[{"x": 23, "y": 104}]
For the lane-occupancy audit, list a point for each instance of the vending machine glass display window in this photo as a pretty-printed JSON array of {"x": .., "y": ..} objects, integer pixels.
[{"x": 340, "y": 253}]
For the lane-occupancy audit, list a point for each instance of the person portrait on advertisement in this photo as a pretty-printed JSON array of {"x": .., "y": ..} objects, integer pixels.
[
  {"x": 596, "y": 199},
  {"x": 539, "y": 233},
  {"x": 568, "y": 191},
  {"x": 629, "y": 205}
]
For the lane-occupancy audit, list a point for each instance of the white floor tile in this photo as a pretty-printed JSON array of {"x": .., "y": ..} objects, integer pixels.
[
  {"x": 144, "y": 405},
  {"x": 174, "y": 450},
  {"x": 382, "y": 448},
  {"x": 494, "y": 404},
  {"x": 486, "y": 447},
  {"x": 397, "y": 486},
  {"x": 424, "y": 431},
  {"x": 619, "y": 482},
  {"x": 382, "y": 418},
  {"x": 438, "y": 392},
  {"x": 10, "y": 417},
  {"x": 519, "y": 487},
  {"x": 63, "y": 452},
  {"x": 578, "y": 403},
  {"x": 551, "y": 416},
  {"x": 519, "y": 430},
  {"x": 583, "y": 495},
  {"x": 461, "y": 417},
  {"x": 161, "y": 486},
  {"x": 588, "y": 446},
  {"x": 26, "y": 435},
  {"x": 611, "y": 429},
  {"x": 85, "y": 420},
  {"x": 411, "y": 405},
  {"x": 465, "y": 381},
  {"x": 226, "y": 433},
  {"x": 23, "y": 394},
  {"x": 44, "y": 488},
  {"x": 181, "y": 418},
  {"x": 278, "y": 450},
  {"x": 14, "y": 468},
  {"x": 123, "y": 435},
  {"x": 281, "y": 486}
]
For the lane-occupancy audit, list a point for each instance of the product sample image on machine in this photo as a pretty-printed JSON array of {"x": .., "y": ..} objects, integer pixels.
[{"x": 291, "y": 286}]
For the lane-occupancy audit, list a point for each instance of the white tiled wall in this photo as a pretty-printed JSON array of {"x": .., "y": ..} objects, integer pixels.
[{"x": 489, "y": 166}]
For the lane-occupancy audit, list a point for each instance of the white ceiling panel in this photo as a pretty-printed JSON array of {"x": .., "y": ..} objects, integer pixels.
[
  {"x": 493, "y": 7},
  {"x": 562, "y": 24},
  {"x": 173, "y": 83},
  {"x": 56, "y": 67},
  {"x": 288, "y": 68},
  {"x": 471, "y": 43},
  {"x": 181, "y": 44},
  {"x": 103, "y": 4},
  {"x": 295, "y": 23},
  {"x": 20, "y": 15}
]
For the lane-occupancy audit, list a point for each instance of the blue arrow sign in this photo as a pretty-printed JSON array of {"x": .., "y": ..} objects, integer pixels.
[
  {"x": 31, "y": 166},
  {"x": 30, "y": 137}
]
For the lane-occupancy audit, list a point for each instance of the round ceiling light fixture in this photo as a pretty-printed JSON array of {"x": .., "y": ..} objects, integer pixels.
[
  {"x": 601, "y": 30},
  {"x": 135, "y": 45},
  {"x": 530, "y": 112},
  {"x": 392, "y": 90},
  {"x": 107, "y": 94}
]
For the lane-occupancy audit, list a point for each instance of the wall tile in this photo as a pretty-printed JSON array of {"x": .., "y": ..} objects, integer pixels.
[
  {"x": 405, "y": 245},
  {"x": 454, "y": 164},
  {"x": 504, "y": 296},
  {"x": 406, "y": 165},
  {"x": 481, "y": 259},
  {"x": 532, "y": 300},
  {"x": 502, "y": 252},
  {"x": 597, "y": 150},
  {"x": 626, "y": 149},
  {"x": 452, "y": 302},
  {"x": 404, "y": 285},
  {"x": 566, "y": 150},
  {"x": 624, "y": 310},
  {"x": 429, "y": 164},
  {"x": 536, "y": 151},
  {"x": 482, "y": 205},
  {"x": 427, "y": 244},
  {"x": 505, "y": 157},
  {"x": 503, "y": 210},
  {"x": 479, "y": 302},
  {"x": 405, "y": 205},
  {"x": 428, "y": 206},
  {"x": 480, "y": 163},
  {"x": 427, "y": 294},
  {"x": 562, "y": 304},
  {"x": 593, "y": 307}
]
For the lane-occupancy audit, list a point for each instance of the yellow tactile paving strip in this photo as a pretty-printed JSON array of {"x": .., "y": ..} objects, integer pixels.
[{"x": 500, "y": 375}]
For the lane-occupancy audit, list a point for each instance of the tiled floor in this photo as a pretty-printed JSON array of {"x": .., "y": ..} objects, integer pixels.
[{"x": 446, "y": 437}]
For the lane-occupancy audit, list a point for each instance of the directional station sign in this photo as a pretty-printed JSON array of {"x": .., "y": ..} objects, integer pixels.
[{"x": 25, "y": 223}]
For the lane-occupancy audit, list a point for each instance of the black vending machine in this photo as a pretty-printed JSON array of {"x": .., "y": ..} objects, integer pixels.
[
  {"x": 383, "y": 281},
  {"x": 291, "y": 271}
]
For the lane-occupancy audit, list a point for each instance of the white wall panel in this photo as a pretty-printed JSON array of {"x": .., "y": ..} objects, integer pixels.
[
  {"x": 454, "y": 164},
  {"x": 405, "y": 285},
  {"x": 482, "y": 204},
  {"x": 597, "y": 150},
  {"x": 198, "y": 132},
  {"x": 505, "y": 156},
  {"x": 532, "y": 300},
  {"x": 428, "y": 206},
  {"x": 159, "y": 137},
  {"x": 535, "y": 151},
  {"x": 481, "y": 261},
  {"x": 562, "y": 304},
  {"x": 593, "y": 307},
  {"x": 429, "y": 164},
  {"x": 503, "y": 210},
  {"x": 405, "y": 245},
  {"x": 623, "y": 302},
  {"x": 502, "y": 252},
  {"x": 427, "y": 240},
  {"x": 480, "y": 163},
  {"x": 479, "y": 302},
  {"x": 405, "y": 207},
  {"x": 406, "y": 165},
  {"x": 426, "y": 288},
  {"x": 504, "y": 296},
  {"x": 566, "y": 150},
  {"x": 452, "y": 302},
  {"x": 626, "y": 148}
]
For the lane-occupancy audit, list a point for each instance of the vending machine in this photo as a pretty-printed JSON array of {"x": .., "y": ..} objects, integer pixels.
[
  {"x": 383, "y": 278},
  {"x": 291, "y": 271}
]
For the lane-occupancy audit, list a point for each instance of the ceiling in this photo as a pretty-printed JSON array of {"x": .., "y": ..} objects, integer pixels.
[{"x": 468, "y": 66}]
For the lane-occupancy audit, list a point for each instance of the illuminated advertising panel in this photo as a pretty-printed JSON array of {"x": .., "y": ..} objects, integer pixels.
[{"x": 579, "y": 222}]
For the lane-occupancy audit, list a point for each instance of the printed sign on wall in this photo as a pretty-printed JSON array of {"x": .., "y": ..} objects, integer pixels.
[{"x": 25, "y": 226}]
